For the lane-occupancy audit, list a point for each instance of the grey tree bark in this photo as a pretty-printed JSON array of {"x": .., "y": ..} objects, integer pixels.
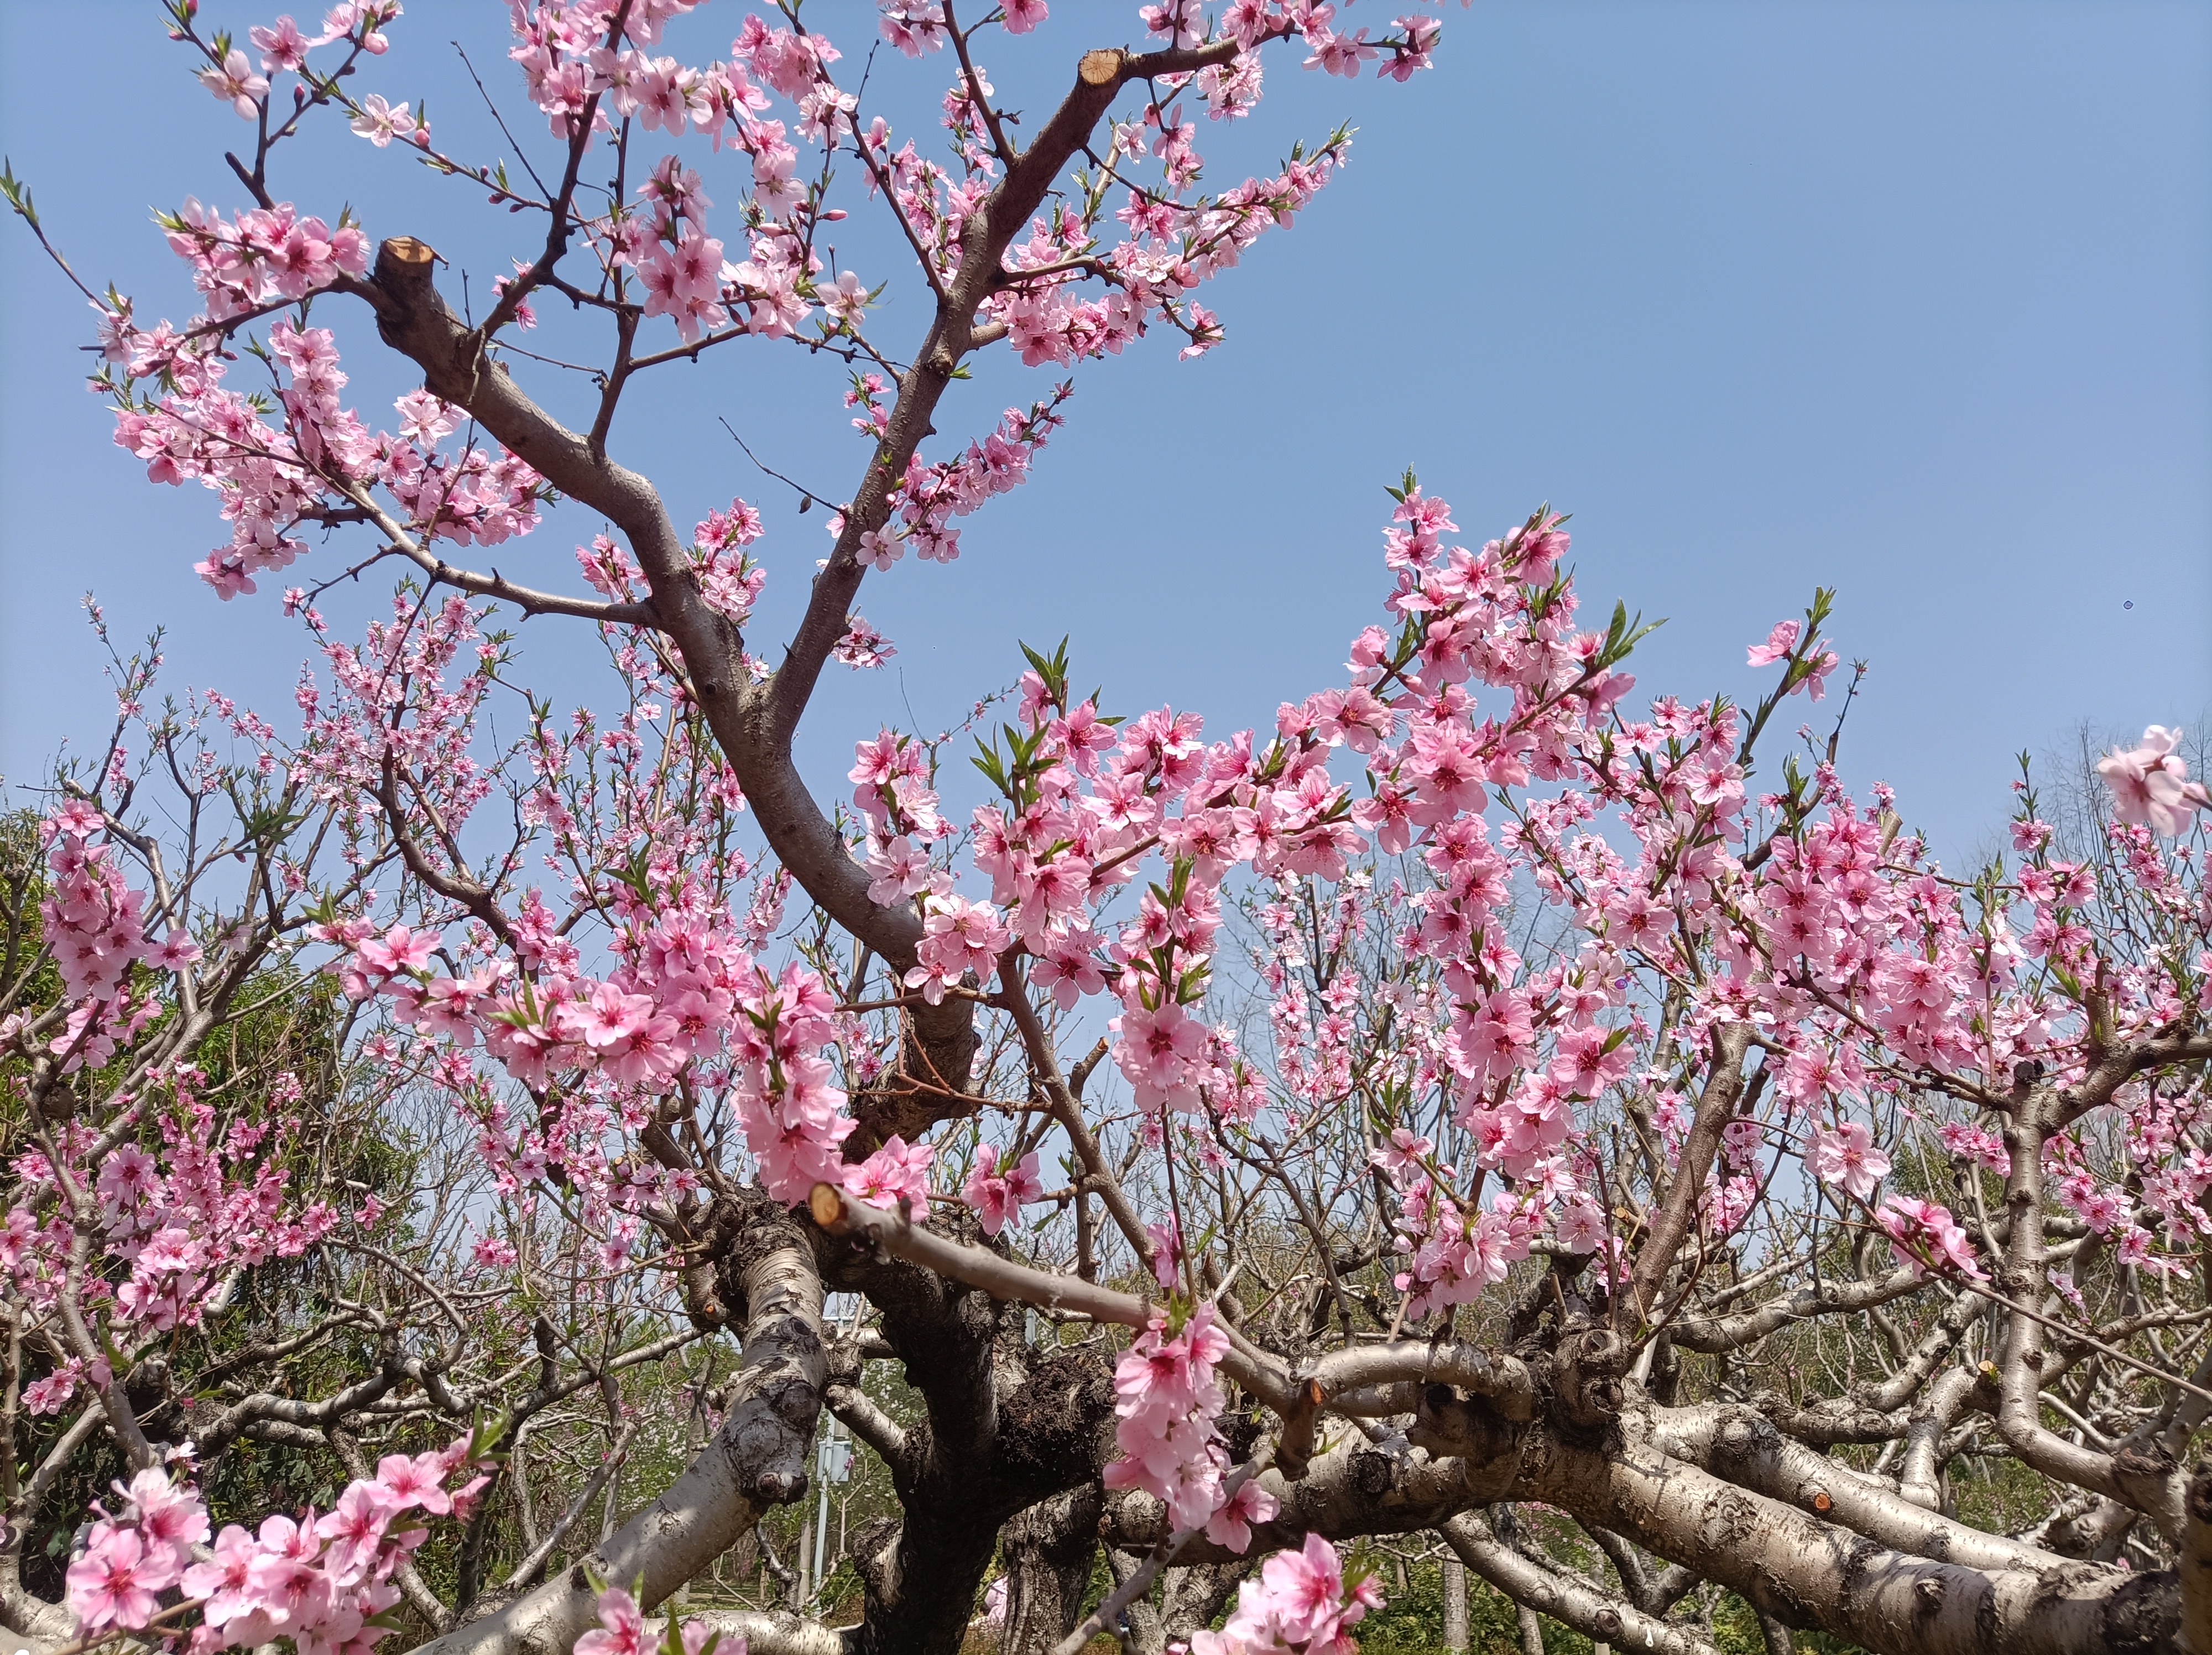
[
  {"x": 1455, "y": 1581},
  {"x": 1047, "y": 1549}
]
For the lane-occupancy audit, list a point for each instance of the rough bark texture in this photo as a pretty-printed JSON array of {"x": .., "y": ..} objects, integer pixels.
[
  {"x": 1454, "y": 1583},
  {"x": 28, "y": 1623},
  {"x": 2195, "y": 1569},
  {"x": 1746, "y": 1447},
  {"x": 1191, "y": 1598},
  {"x": 1716, "y": 1106},
  {"x": 1006, "y": 1429},
  {"x": 1807, "y": 1573},
  {"x": 1048, "y": 1553}
]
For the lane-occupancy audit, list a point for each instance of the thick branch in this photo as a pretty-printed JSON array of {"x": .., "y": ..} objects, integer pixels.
[
  {"x": 1711, "y": 1333},
  {"x": 1716, "y": 1107},
  {"x": 2144, "y": 1475},
  {"x": 1504, "y": 1381},
  {"x": 1601, "y": 1618},
  {"x": 1807, "y": 1572},
  {"x": 2195, "y": 1566},
  {"x": 1743, "y": 1447},
  {"x": 414, "y": 320}
]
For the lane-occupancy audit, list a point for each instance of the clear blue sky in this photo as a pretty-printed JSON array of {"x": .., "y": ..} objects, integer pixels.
[{"x": 1909, "y": 299}]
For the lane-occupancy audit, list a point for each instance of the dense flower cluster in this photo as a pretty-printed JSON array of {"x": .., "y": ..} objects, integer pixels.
[
  {"x": 1167, "y": 1403},
  {"x": 320, "y": 460},
  {"x": 999, "y": 1198},
  {"x": 96, "y": 925},
  {"x": 1302, "y": 1601},
  {"x": 319, "y": 1581}
]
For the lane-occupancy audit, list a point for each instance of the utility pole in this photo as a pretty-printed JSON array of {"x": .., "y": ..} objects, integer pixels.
[{"x": 825, "y": 1457}]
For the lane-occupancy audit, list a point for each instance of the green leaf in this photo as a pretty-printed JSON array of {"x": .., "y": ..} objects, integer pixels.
[{"x": 17, "y": 195}]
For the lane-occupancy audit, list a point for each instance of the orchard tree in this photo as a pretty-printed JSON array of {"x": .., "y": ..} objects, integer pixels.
[{"x": 1484, "y": 1106}]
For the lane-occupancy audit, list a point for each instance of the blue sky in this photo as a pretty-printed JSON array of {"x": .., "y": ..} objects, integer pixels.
[{"x": 1909, "y": 300}]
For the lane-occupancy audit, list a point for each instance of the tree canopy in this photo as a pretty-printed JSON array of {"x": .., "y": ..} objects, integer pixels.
[{"x": 460, "y": 1155}]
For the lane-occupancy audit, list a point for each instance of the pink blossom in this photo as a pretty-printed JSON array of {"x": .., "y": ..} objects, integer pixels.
[
  {"x": 1301, "y": 1601},
  {"x": 1167, "y": 1253},
  {"x": 2150, "y": 785},
  {"x": 281, "y": 46},
  {"x": 1231, "y": 1525},
  {"x": 1581, "y": 1227},
  {"x": 380, "y": 122},
  {"x": 419, "y": 1480},
  {"x": 221, "y": 1581},
  {"x": 896, "y": 1175},
  {"x": 1848, "y": 1156},
  {"x": 167, "y": 1515},
  {"x": 998, "y": 1198},
  {"x": 1166, "y": 1401},
  {"x": 1921, "y": 1232},
  {"x": 1780, "y": 643},
  {"x": 620, "y": 1630},
  {"x": 354, "y": 1529},
  {"x": 844, "y": 298},
  {"x": 115, "y": 1581},
  {"x": 234, "y": 82}
]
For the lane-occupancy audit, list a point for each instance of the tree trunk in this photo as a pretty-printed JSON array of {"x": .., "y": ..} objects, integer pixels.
[
  {"x": 1455, "y": 1605},
  {"x": 1048, "y": 1549},
  {"x": 1532, "y": 1632},
  {"x": 2197, "y": 1566}
]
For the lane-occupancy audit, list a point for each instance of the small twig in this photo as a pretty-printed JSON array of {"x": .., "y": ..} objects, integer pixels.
[
  {"x": 544, "y": 1548},
  {"x": 1108, "y": 1613},
  {"x": 518, "y": 153},
  {"x": 804, "y": 492}
]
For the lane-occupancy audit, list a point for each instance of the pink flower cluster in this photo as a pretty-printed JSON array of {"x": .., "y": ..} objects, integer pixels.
[
  {"x": 1922, "y": 1234},
  {"x": 95, "y": 926},
  {"x": 320, "y": 1581},
  {"x": 623, "y": 1630},
  {"x": 1848, "y": 1155},
  {"x": 896, "y": 1176},
  {"x": 572, "y": 62},
  {"x": 1452, "y": 1258},
  {"x": 320, "y": 458},
  {"x": 1167, "y": 1403},
  {"x": 231, "y": 78},
  {"x": 1302, "y": 1602},
  {"x": 115, "y": 1581},
  {"x": 998, "y": 1198},
  {"x": 1808, "y": 665},
  {"x": 265, "y": 255},
  {"x": 168, "y": 1222},
  {"x": 1172, "y": 249},
  {"x": 684, "y": 995},
  {"x": 920, "y": 510},
  {"x": 689, "y": 992},
  {"x": 173, "y": 1225},
  {"x": 794, "y": 1119}
]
